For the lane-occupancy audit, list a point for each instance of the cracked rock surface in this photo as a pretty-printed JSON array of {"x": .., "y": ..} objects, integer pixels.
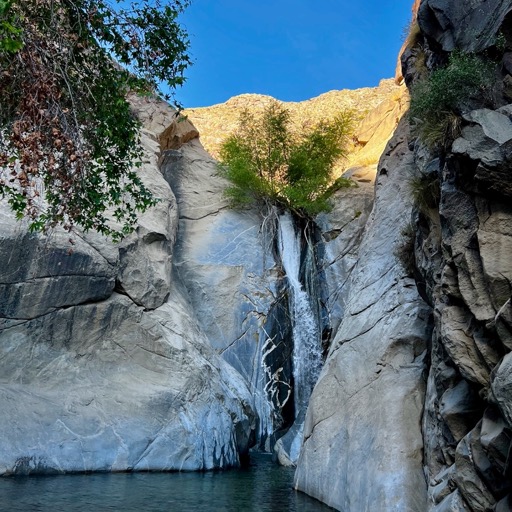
[
  {"x": 225, "y": 260},
  {"x": 103, "y": 364}
]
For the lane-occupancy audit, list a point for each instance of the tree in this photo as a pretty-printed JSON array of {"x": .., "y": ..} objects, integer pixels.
[
  {"x": 267, "y": 162},
  {"x": 69, "y": 144}
]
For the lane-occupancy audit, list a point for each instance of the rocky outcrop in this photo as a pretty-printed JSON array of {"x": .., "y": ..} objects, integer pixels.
[
  {"x": 145, "y": 256},
  {"x": 469, "y": 26},
  {"x": 466, "y": 425},
  {"x": 373, "y": 106},
  {"x": 107, "y": 387},
  {"x": 368, "y": 402},
  {"x": 40, "y": 275},
  {"x": 103, "y": 364},
  {"x": 341, "y": 233},
  {"x": 462, "y": 254},
  {"x": 409, "y": 41}
]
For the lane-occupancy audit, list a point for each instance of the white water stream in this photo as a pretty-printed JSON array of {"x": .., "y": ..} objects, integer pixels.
[{"x": 307, "y": 354}]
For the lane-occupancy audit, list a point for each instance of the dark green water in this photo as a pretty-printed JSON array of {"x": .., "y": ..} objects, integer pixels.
[{"x": 263, "y": 487}]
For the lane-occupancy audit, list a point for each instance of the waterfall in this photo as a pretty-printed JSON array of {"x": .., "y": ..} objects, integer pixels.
[{"x": 307, "y": 353}]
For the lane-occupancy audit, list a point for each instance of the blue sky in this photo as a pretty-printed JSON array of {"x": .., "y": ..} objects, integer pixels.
[{"x": 290, "y": 49}]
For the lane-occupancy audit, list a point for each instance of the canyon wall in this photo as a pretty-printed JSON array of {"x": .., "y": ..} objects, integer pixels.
[
  {"x": 173, "y": 349},
  {"x": 104, "y": 363},
  {"x": 412, "y": 409}
]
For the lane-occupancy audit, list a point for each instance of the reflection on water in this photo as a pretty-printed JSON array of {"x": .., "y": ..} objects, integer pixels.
[{"x": 263, "y": 487}]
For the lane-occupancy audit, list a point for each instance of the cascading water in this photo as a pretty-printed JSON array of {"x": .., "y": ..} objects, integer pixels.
[{"x": 307, "y": 353}]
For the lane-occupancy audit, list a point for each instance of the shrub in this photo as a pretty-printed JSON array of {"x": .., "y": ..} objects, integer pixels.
[
  {"x": 426, "y": 191},
  {"x": 266, "y": 162},
  {"x": 436, "y": 101}
]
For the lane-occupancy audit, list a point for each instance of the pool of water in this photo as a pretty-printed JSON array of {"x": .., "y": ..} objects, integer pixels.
[{"x": 262, "y": 487}]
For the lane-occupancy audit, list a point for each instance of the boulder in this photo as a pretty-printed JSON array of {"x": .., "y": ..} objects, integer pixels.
[
  {"x": 457, "y": 339},
  {"x": 178, "y": 133},
  {"x": 495, "y": 244},
  {"x": 487, "y": 141},
  {"x": 146, "y": 254},
  {"x": 287, "y": 448},
  {"x": 503, "y": 322},
  {"x": 460, "y": 408},
  {"x": 496, "y": 438},
  {"x": 442, "y": 485},
  {"x": 459, "y": 224},
  {"x": 502, "y": 387},
  {"x": 469, "y": 483},
  {"x": 454, "y": 502},
  {"x": 42, "y": 273},
  {"x": 477, "y": 145},
  {"x": 495, "y": 125}
]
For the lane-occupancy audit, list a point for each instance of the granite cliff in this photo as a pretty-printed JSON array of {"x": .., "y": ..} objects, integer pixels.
[
  {"x": 412, "y": 409},
  {"x": 127, "y": 357}
]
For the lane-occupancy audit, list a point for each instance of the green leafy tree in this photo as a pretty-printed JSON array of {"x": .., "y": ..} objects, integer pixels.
[
  {"x": 69, "y": 143},
  {"x": 268, "y": 163}
]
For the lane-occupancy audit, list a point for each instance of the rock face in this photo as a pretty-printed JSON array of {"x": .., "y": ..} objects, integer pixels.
[
  {"x": 469, "y": 289},
  {"x": 462, "y": 254},
  {"x": 104, "y": 366},
  {"x": 227, "y": 264},
  {"x": 107, "y": 387},
  {"x": 471, "y": 26},
  {"x": 368, "y": 402}
]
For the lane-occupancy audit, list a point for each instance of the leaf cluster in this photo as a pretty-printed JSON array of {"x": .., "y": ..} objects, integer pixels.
[
  {"x": 437, "y": 100},
  {"x": 267, "y": 162},
  {"x": 69, "y": 143},
  {"x": 10, "y": 40}
]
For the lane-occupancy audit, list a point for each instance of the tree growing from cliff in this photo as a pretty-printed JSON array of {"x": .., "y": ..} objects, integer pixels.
[
  {"x": 69, "y": 144},
  {"x": 268, "y": 163}
]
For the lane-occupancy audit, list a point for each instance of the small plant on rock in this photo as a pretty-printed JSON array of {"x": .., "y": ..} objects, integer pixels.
[
  {"x": 437, "y": 101},
  {"x": 426, "y": 191}
]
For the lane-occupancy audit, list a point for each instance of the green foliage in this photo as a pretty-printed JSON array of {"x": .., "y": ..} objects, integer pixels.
[
  {"x": 426, "y": 191},
  {"x": 10, "y": 40},
  {"x": 501, "y": 42},
  {"x": 437, "y": 100},
  {"x": 69, "y": 144},
  {"x": 266, "y": 162}
]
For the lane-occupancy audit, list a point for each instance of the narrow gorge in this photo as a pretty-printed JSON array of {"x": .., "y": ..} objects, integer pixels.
[{"x": 368, "y": 348}]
